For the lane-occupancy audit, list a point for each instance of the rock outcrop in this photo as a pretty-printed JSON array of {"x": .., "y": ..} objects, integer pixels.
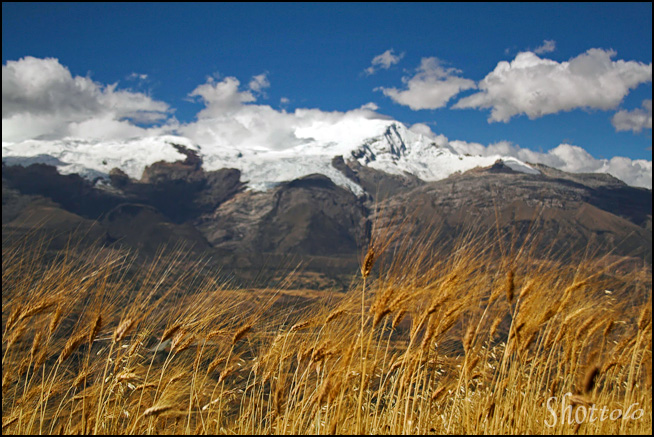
[{"x": 322, "y": 226}]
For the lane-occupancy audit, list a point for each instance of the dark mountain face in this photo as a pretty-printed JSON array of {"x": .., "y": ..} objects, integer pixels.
[
  {"x": 307, "y": 216},
  {"x": 559, "y": 215},
  {"x": 319, "y": 223},
  {"x": 313, "y": 216},
  {"x": 140, "y": 215},
  {"x": 377, "y": 184},
  {"x": 180, "y": 190}
]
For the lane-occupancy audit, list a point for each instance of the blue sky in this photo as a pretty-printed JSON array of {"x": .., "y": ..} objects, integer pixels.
[{"x": 321, "y": 56}]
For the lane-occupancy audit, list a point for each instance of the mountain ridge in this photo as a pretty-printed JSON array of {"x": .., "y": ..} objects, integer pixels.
[
  {"x": 323, "y": 217},
  {"x": 388, "y": 146}
]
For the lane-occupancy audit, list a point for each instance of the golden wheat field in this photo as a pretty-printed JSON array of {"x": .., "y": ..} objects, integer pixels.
[{"x": 477, "y": 340}]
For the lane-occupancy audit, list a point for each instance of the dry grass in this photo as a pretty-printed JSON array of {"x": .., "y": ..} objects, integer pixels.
[{"x": 470, "y": 341}]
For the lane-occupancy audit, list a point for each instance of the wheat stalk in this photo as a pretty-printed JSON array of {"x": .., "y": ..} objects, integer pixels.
[
  {"x": 95, "y": 329},
  {"x": 241, "y": 333},
  {"x": 122, "y": 330},
  {"x": 169, "y": 332},
  {"x": 71, "y": 345},
  {"x": 368, "y": 261},
  {"x": 156, "y": 410},
  {"x": 299, "y": 325}
]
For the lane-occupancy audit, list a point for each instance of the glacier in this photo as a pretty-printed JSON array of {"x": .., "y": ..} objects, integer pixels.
[{"x": 385, "y": 145}]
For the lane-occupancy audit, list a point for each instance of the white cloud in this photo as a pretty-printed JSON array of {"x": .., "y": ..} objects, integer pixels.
[
  {"x": 221, "y": 97},
  {"x": 371, "y": 106},
  {"x": 535, "y": 86},
  {"x": 41, "y": 98},
  {"x": 259, "y": 83},
  {"x": 431, "y": 87},
  {"x": 384, "y": 61},
  {"x": 284, "y": 102},
  {"x": 233, "y": 120},
  {"x": 137, "y": 76},
  {"x": 548, "y": 46},
  {"x": 569, "y": 158},
  {"x": 422, "y": 129},
  {"x": 635, "y": 120}
]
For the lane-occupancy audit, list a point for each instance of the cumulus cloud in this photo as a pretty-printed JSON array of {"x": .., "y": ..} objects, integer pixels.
[
  {"x": 384, "y": 61},
  {"x": 635, "y": 120},
  {"x": 569, "y": 158},
  {"x": 41, "y": 98},
  {"x": 230, "y": 118},
  {"x": 233, "y": 119},
  {"x": 431, "y": 87},
  {"x": 536, "y": 86},
  {"x": 548, "y": 46},
  {"x": 221, "y": 97},
  {"x": 423, "y": 129}
]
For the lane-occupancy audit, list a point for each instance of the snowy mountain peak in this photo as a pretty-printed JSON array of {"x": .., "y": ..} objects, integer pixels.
[
  {"x": 395, "y": 143},
  {"x": 394, "y": 140},
  {"x": 392, "y": 148},
  {"x": 399, "y": 150},
  {"x": 391, "y": 143}
]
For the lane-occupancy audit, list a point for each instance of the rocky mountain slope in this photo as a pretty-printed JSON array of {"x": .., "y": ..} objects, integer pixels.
[{"x": 260, "y": 210}]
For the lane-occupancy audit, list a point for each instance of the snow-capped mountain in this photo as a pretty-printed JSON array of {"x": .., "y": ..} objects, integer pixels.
[
  {"x": 384, "y": 145},
  {"x": 248, "y": 205},
  {"x": 398, "y": 150}
]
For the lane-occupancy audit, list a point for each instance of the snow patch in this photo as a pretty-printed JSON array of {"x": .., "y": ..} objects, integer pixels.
[
  {"x": 384, "y": 145},
  {"x": 95, "y": 159}
]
